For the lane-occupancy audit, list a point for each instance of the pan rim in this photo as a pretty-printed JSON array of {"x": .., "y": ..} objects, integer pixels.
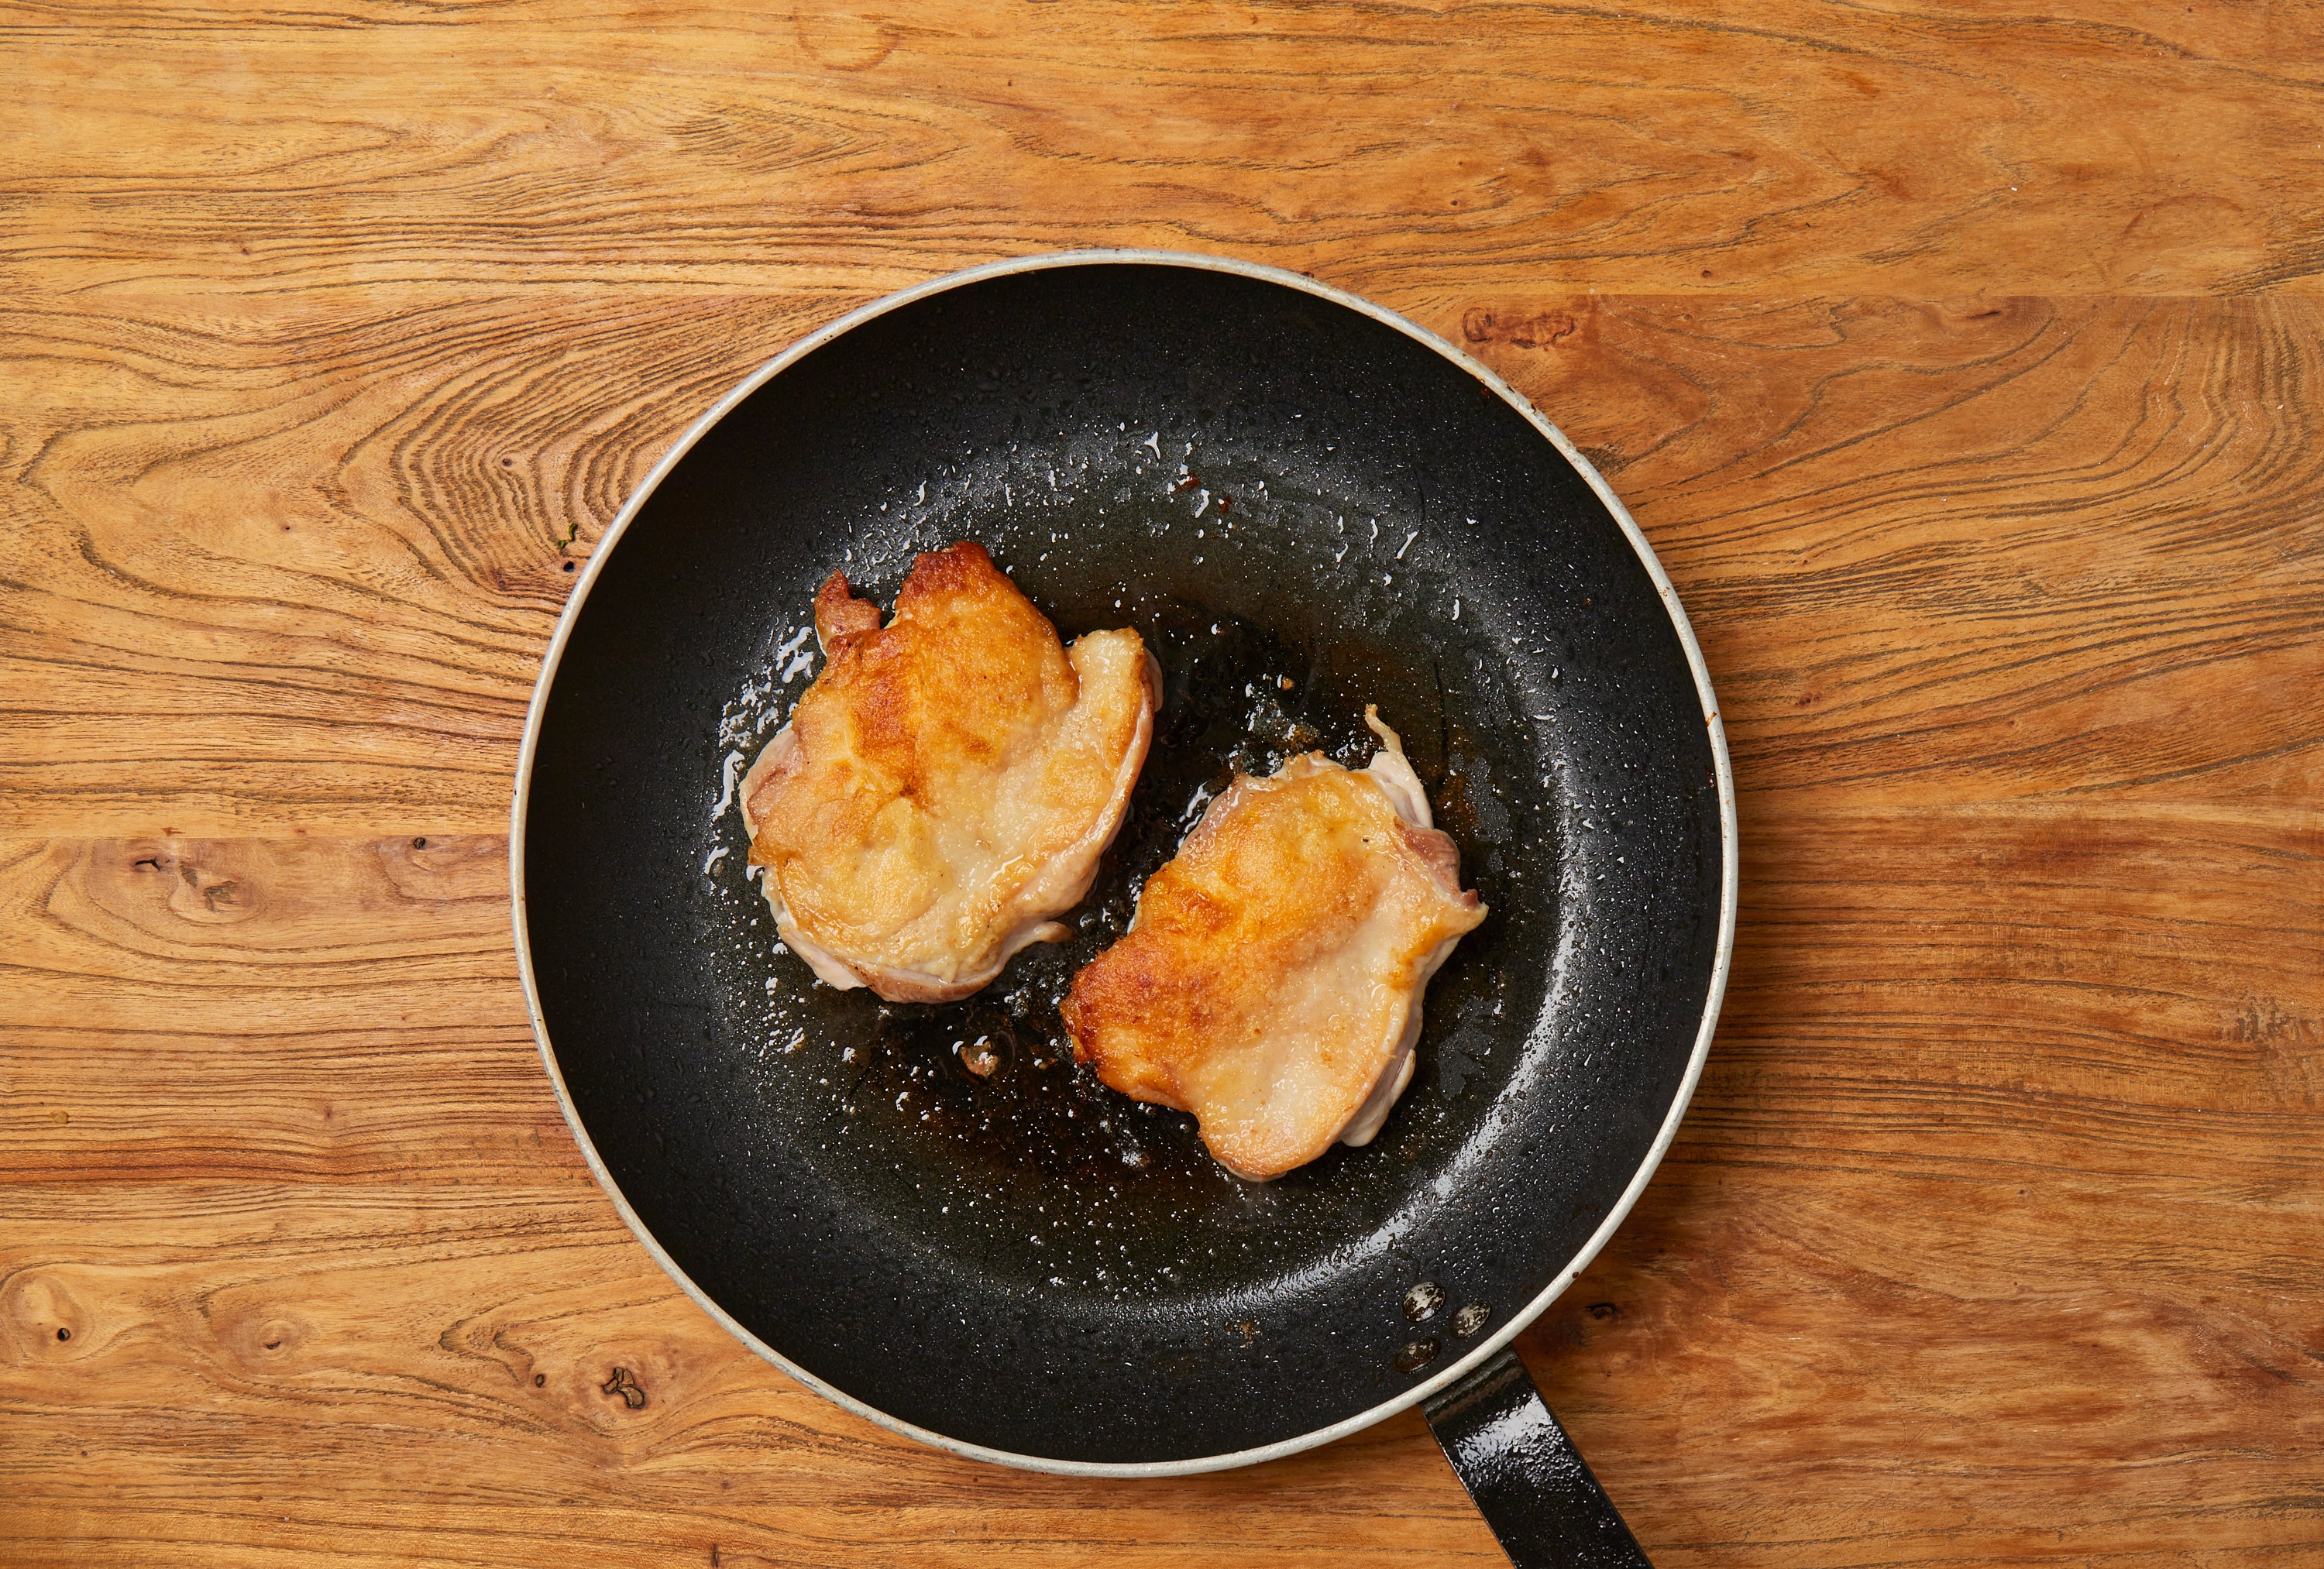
[{"x": 1516, "y": 1323}]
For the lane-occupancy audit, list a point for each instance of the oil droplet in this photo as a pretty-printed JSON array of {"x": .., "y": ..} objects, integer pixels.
[{"x": 1417, "y": 1355}]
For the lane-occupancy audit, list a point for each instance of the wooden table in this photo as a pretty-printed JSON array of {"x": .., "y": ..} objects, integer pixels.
[{"x": 1965, "y": 365}]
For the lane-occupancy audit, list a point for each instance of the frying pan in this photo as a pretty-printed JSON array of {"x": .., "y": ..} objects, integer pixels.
[{"x": 1303, "y": 503}]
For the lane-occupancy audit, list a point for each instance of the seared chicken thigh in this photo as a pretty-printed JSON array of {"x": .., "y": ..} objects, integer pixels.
[
  {"x": 946, "y": 784},
  {"x": 1272, "y": 981}
]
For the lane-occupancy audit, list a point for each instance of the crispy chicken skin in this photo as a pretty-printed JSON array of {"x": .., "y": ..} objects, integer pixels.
[
  {"x": 1270, "y": 984},
  {"x": 947, "y": 783}
]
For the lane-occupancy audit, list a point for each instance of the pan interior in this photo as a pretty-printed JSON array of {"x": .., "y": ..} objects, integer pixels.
[{"x": 1302, "y": 510}]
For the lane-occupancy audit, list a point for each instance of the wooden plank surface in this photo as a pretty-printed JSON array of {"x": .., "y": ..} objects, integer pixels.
[{"x": 1960, "y": 364}]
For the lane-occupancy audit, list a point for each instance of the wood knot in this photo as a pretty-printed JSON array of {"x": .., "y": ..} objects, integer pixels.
[
  {"x": 1540, "y": 330},
  {"x": 204, "y": 895},
  {"x": 625, "y": 1386}
]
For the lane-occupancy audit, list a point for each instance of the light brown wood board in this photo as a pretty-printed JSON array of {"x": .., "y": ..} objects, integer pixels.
[{"x": 1962, "y": 365}]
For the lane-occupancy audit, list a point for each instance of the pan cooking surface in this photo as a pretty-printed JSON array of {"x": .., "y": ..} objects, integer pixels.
[{"x": 1302, "y": 509}]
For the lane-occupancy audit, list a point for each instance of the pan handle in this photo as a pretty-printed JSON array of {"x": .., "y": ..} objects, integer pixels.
[{"x": 1528, "y": 1480}]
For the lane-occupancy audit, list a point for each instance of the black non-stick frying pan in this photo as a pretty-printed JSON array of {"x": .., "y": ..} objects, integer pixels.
[{"x": 1305, "y": 504}]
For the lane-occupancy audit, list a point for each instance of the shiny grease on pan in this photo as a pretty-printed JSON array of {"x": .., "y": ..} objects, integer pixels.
[{"x": 1276, "y": 613}]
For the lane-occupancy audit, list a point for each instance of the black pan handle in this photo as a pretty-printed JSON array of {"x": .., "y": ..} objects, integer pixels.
[{"x": 1528, "y": 1480}]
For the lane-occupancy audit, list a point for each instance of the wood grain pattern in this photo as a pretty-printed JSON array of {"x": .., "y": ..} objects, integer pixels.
[
  {"x": 1960, "y": 362},
  {"x": 1753, "y": 143}
]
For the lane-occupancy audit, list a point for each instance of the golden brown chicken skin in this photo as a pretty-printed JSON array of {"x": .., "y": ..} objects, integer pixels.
[
  {"x": 947, "y": 783},
  {"x": 1271, "y": 982}
]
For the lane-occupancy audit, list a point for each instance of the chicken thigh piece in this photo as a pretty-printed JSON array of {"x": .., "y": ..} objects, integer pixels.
[
  {"x": 946, "y": 784},
  {"x": 1270, "y": 983}
]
